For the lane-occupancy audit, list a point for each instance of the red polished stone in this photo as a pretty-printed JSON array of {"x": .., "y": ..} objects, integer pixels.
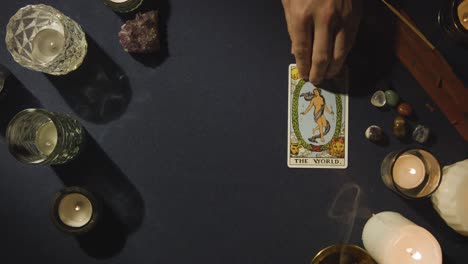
[{"x": 404, "y": 109}]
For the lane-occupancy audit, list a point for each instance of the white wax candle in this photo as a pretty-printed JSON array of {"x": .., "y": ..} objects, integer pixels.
[
  {"x": 75, "y": 210},
  {"x": 390, "y": 238},
  {"x": 408, "y": 171},
  {"x": 47, "y": 44},
  {"x": 46, "y": 138},
  {"x": 463, "y": 13}
]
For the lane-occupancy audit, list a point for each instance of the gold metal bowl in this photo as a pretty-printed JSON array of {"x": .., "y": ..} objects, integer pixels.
[{"x": 343, "y": 254}]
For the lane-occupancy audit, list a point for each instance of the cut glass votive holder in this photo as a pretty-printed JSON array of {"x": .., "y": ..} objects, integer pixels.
[
  {"x": 41, "y": 38},
  {"x": 412, "y": 173},
  {"x": 37, "y": 136}
]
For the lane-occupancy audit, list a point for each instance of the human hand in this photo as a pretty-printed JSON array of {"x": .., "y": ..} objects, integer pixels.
[{"x": 322, "y": 33}]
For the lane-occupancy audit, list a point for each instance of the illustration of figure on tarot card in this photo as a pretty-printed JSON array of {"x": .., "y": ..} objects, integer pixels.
[{"x": 318, "y": 102}]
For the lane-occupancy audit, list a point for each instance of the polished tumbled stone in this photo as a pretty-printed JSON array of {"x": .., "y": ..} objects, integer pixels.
[
  {"x": 378, "y": 99},
  {"x": 405, "y": 109},
  {"x": 392, "y": 97},
  {"x": 374, "y": 133},
  {"x": 421, "y": 134},
  {"x": 399, "y": 127}
]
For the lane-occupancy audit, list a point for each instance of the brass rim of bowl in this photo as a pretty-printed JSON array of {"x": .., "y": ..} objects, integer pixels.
[{"x": 322, "y": 254}]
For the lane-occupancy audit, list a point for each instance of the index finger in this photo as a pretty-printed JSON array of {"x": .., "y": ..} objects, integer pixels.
[{"x": 301, "y": 37}]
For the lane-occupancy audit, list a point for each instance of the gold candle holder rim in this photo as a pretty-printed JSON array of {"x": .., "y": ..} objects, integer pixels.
[{"x": 336, "y": 248}]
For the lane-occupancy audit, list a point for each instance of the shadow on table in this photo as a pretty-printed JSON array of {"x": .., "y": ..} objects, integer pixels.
[
  {"x": 98, "y": 91},
  {"x": 14, "y": 98},
  {"x": 372, "y": 57},
  {"x": 164, "y": 9},
  {"x": 123, "y": 207}
]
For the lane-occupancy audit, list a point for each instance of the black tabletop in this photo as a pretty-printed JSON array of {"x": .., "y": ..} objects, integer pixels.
[{"x": 188, "y": 148}]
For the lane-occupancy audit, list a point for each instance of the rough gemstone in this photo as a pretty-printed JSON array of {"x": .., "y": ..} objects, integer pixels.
[
  {"x": 374, "y": 133},
  {"x": 392, "y": 97},
  {"x": 404, "y": 109},
  {"x": 399, "y": 127},
  {"x": 378, "y": 99},
  {"x": 421, "y": 134},
  {"x": 141, "y": 35}
]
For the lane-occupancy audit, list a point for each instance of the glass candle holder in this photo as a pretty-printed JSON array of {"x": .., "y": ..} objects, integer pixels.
[
  {"x": 75, "y": 210},
  {"x": 123, "y": 6},
  {"x": 453, "y": 18},
  {"x": 4, "y": 73},
  {"x": 343, "y": 254},
  {"x": 412, "y": 173},
  {"x": 37, "y": 136},
  {"x": 41, "y": 38}
]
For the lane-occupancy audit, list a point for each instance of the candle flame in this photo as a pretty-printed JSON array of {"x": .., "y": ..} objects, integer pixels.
[
  {"x": 414, "y": 255},
  {"x": 77, "y": 208},
  {"x": 412, "y": 171}
]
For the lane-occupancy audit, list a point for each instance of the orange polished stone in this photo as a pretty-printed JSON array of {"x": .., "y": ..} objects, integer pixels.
[{"x": 404, "y": 109}]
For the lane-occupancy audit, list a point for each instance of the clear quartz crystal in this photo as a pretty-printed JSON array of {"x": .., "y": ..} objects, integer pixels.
[
  {"x": 450, "y": 199},
  {"x": 41, "y": 38}
]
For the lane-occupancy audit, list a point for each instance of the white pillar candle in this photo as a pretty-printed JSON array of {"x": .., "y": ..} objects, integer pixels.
[
  {"x": 408, "y": 171},
  {"x": 390, "y": 238},
  {"x": 75, "y": 210},
  {"x": 47, "y": 44},
  {"x": 463, "y": 13},
  {"x": 46, "y": 138}
]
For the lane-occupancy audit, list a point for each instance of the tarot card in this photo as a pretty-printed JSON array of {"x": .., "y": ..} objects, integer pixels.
[{"x": 318, "y": 122}]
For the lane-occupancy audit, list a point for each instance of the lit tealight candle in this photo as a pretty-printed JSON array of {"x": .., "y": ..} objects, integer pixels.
[
  {"x": 75, "y": 210},
  {"x": 463, "y": 13},
  {"x": 390, "y": 238},
  {"x": 408, "y": 171},
  {"x": 46, "y": 138},
  {"x": 47, "y": 44}
]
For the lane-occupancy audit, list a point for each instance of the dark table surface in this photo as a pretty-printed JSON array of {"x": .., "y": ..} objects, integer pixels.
[{"x": 188, "y": 148}]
